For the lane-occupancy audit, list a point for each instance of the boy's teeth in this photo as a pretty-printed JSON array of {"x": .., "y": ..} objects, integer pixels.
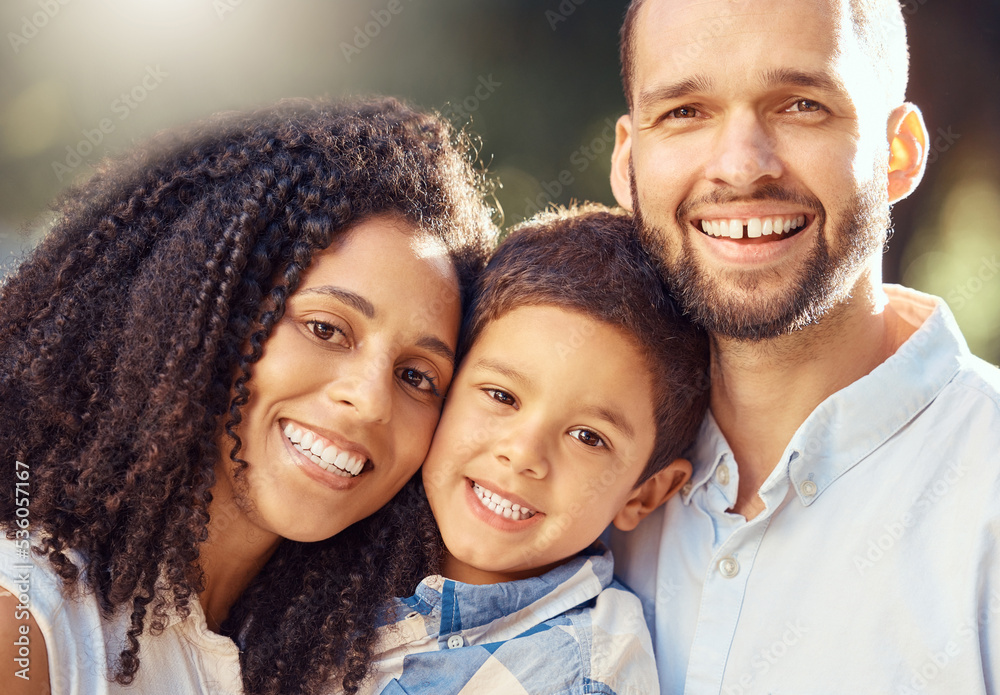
[
  {"x": 501, "y": 506},
  {"x": 324, "y": 455},
  {"x": 753, "y": 227}
]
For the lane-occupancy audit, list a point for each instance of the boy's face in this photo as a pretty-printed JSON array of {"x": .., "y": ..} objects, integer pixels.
[{"x": 551, "y": 411}]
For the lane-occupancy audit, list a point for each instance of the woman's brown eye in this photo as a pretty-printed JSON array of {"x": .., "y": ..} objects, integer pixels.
[
  {"x": 422, "y": 381},
  {"x": 323, "y": 330}
]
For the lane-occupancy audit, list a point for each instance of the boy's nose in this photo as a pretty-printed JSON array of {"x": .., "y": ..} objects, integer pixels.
[{"x": 523, "y": 451}]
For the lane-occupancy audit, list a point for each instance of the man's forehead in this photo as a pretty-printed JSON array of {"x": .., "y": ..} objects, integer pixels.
[{"x": 675, "y": 35}]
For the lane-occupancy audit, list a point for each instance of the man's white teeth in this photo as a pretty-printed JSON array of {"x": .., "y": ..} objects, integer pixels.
[
  {"x": 323, "y": 454},
  {"x": 753, "y": 227},
  {"x": 501, "y": 506}
]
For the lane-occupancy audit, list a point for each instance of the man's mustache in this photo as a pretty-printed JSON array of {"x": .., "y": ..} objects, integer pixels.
[{"x": 770, "y": 192}]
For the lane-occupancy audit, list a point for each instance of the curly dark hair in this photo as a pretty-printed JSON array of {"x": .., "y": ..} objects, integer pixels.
[{"x": 129, "y": 334}]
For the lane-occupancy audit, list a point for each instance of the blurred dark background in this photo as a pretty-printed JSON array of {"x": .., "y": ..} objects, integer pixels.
[{"x": 536, "y": 80}]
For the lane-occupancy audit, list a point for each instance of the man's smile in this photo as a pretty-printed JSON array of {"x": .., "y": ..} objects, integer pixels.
[{"x": 754, "y": 227}]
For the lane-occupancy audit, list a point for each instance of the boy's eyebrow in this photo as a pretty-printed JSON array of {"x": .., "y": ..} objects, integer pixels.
[
  {"x": 612, "y": 416},
  {"x": 501, "y": 368}
]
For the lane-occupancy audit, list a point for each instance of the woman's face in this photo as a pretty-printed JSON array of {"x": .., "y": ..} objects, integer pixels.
[{"x": 344, "y": 400}]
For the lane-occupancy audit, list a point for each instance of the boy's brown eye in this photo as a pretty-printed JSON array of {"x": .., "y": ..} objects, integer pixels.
[
  {"x": 587, "y": 437},
  {"x": 501, "y": 396}
]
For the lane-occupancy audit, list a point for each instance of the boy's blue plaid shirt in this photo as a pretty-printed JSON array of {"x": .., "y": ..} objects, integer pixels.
[{"x": 571, "y": 630}]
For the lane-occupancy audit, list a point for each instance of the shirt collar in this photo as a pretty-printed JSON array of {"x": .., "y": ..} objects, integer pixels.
[
  {"x": 853, "y": 422},
  {"x": 709, "y": 450},
  {"x": 536, "y": 599}
]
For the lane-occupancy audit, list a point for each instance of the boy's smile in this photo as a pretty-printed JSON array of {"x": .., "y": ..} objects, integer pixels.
[{"x": 546, "y": 430}]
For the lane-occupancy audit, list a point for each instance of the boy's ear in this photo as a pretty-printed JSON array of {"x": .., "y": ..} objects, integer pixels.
[{"x": 651, "y": 494}]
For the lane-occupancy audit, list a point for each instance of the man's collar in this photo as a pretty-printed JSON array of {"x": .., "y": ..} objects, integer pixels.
[{"x": 853, "y": 422}]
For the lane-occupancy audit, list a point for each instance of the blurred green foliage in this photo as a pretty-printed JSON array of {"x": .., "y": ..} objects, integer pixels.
[{"x": 535, "y": 81}]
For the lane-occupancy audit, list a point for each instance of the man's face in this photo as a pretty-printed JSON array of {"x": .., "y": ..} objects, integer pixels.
[{"x": 755, "y": 158}]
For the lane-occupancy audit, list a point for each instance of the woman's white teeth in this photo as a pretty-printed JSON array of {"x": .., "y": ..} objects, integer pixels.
[
  {"x": 753, "y": 227},
  {"x": 501, "y": 506},
  {"x": 323, "y": 454}
]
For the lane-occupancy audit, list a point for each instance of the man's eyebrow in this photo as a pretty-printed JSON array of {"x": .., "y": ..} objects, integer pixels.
[
  {"x": 676, "y": 90},
  {"x": 784, "y": 77},
  {"x": 352, "y": 299},
  {"x": 779, "y": 77},
  {"x": 501, "y": 368},
  {"x": 437, "y": 346},
  {"x": 612, "y": 416}
]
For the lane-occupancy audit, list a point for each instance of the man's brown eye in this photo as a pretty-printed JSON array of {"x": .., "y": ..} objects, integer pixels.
[
  {"x": 683, "y": 112},
  {"x": 806, "y": 105}
]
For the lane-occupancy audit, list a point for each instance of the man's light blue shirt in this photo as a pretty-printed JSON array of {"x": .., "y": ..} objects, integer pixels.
[{"x": 874, "y": 567}]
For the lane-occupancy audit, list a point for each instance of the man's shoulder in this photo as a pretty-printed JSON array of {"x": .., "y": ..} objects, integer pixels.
[
  {"x": 980, "y": 378},
  {"x": 968, "y": 407}
]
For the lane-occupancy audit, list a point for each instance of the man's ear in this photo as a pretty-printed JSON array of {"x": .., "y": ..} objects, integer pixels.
[
  {"x": 907, "y": 150},
  {"x": 621, "y": 161},
  {"x": 651, "y": 494}
]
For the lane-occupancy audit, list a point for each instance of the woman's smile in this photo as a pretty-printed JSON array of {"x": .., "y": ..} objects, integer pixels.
[{"x": 345, "y": 460}]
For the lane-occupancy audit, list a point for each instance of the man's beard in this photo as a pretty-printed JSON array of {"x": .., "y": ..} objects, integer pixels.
[{"x": 730, "y": 304}]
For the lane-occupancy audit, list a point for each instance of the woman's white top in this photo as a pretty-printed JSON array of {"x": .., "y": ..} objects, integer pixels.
[{"x": 185, "y": 658}]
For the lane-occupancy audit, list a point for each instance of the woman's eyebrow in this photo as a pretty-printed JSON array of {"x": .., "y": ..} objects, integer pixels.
[
  {"x": 437, "y": 346},
  {"x": 352, "y": 299}
]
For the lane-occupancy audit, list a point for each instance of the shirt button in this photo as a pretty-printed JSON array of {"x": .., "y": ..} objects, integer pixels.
[
  {"x": 455, "y": 641},
  {"x": 808, "y": 488},
  {"x": 728, "y": 567},
  {"x": 722, "y": 474}
]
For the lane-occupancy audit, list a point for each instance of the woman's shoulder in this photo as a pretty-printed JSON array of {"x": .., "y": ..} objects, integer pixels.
[
  {"x": 56, "y": 626},
  {"x": 21, "y": 566}
]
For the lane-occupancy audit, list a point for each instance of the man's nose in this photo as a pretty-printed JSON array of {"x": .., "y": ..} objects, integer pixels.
[{"x": 743, "y": 152}]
